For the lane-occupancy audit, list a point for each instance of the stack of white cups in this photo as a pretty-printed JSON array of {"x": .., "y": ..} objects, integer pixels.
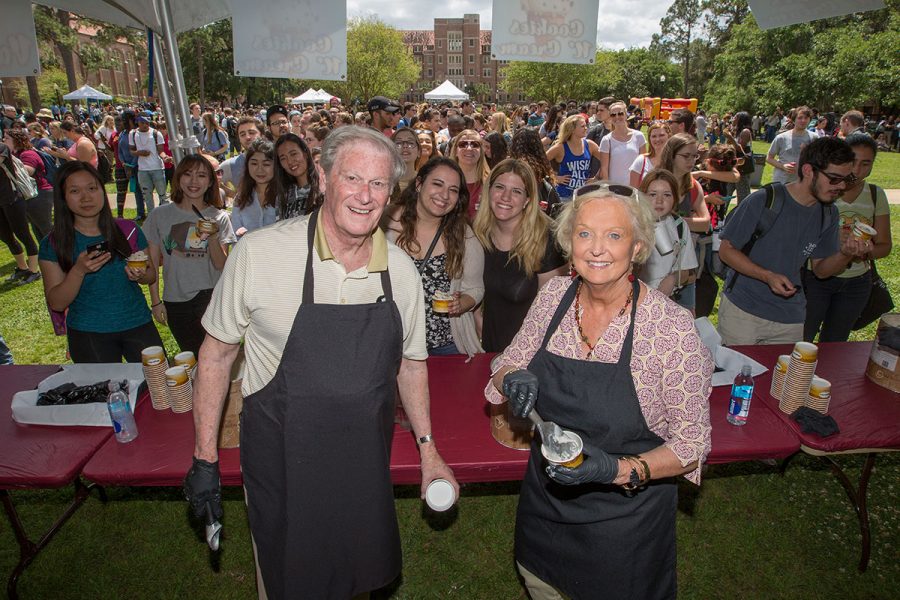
[
  {"x": 800, "y": 372},
  {"x": 155, "y": 365}
]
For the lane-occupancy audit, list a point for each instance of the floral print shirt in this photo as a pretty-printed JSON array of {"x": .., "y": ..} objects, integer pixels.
[{"x": 671, "y": 368}]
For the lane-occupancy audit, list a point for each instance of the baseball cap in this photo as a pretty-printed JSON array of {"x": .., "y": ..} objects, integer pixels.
[
  {"x": 382, "y": 103},
  {"x": 142, "y": 119},
  {"x": 276, "y": 109}
]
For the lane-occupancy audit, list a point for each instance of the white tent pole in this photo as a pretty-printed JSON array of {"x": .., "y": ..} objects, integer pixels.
[
  {"x": 187, "y": 142},
  {"x": 162, "y": 84}
]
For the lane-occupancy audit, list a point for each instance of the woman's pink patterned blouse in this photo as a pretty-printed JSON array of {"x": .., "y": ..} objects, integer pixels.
[{"x": 671, "y": 367}]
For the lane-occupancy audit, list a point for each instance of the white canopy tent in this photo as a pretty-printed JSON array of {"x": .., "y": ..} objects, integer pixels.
[
  {"x": 86, "y": 92},
  {"x": 446, "y": 91},
  {"x": 307, "y": 97}
]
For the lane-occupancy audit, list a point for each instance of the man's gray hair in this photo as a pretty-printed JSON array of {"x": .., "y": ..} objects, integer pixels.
[{"x": 353, "y": 135}]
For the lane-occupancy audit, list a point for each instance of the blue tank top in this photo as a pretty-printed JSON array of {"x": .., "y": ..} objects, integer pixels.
[{"x": 578, "y": 166}]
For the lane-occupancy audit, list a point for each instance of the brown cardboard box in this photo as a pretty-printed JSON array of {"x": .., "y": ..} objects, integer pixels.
[{"x": 884, "y": 362}]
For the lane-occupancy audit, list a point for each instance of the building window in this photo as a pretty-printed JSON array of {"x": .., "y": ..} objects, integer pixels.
[
  {"x": 471, "y": 59},
  {"x": 440, "y": 59},
  {"x": 429, "y": 59},
  {"x": 471, "y": 42},
  {"x": 417, "y": 47},
  {"x": 486, "y": 59},
  {"x": 486, "y": 49},
  {"x": 430, "y": 72},
  {"x": 429, "y": 48},
  {"x": 454, "y": 41},
  {"x": 454, "y": 59},
  {"x": 440, "y": 43},
  {"x": 485, "y": 72},
  {"x": 471, "y": 72}
]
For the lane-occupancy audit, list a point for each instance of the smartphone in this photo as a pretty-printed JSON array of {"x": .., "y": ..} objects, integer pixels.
[{"x": 98, "y": 247}]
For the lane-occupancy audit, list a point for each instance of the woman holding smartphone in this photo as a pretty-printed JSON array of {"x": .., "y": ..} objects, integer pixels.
[{"x": 85, "y": 274}]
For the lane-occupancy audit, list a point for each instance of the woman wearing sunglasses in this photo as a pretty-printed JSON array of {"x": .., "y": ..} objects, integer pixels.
[
  {"x": 618, "y": 364},
  {"x": 407, "y": 143},
  {"x": 520, "y": 253},
  {"x": 467, "y": 150},
  {"x": 573, "y": 153},
  {"x": 429, "y": 224},
  {"x": 619, "y": 147}
]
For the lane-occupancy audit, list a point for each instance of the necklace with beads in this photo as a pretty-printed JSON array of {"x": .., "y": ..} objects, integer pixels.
[{"x": 578, "y": 315}]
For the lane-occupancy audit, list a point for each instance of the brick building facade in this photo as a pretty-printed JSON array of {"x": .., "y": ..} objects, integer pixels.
[{"x": 458, "y": 50}]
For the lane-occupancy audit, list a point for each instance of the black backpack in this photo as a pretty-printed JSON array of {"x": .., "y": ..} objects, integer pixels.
[{"x": 51, "y": 166}]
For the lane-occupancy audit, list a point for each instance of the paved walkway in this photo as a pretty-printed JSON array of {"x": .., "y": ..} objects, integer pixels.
[{"x": 892, "y": 195}]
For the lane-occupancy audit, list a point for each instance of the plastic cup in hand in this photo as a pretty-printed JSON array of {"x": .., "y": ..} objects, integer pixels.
[
  {"x": 440, "y": 302},
  {"x": 440, "y": 495},
  {"x": 863, "y": 232},
  {"x": 565, "y": 449}
]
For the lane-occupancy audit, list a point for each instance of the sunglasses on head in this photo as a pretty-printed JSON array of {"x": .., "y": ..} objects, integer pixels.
[
  {"x": 837, "y": 179},
  {"x": 616, "y": 188}
]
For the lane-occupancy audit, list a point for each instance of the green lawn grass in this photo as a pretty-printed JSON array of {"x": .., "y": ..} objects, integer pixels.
[
  {"x": 747, "y": 533},
  {"x": 885, "y": 172}
]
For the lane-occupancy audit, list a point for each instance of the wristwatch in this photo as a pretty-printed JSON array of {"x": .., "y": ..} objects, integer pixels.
[{"x": 425, "y": 439}]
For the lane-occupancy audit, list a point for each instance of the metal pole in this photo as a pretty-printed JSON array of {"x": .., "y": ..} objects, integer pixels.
[
  {"x": 189, "y": 141},
  {"x": 162, "y": 84}
]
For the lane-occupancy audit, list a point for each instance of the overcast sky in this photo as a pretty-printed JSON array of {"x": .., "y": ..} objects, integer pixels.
[{"x": 621, "y": 24}]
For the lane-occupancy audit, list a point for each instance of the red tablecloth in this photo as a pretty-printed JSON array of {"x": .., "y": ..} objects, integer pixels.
[
  {"x": 38, "y": 456},
  {"x": 161, "y": 454},
  {"x": 867, "y": 414}
]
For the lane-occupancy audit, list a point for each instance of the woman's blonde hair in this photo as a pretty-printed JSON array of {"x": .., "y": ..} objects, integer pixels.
[
  {"x": 566, "y": 129},
  {"x": 639, "y": 211},
  {"x": 530, "y": 239},
  {"x": 482, "y": 166},
  {"x": 657, "y": 125},
  {"x": 499, "y": 122}
]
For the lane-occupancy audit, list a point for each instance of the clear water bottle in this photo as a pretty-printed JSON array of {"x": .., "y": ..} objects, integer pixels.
[
  {"x": 741, "y": 393},
  {"x": 120, "y": 414}
]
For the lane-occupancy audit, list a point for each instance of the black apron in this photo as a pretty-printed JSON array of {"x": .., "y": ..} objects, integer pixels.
[
  {"x": 594, "y": 541},
  {"x": 315, "y": 450}
]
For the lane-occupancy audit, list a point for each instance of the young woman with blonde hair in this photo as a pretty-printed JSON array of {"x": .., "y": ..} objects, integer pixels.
[
  {"x": 520, "y": 253},
  {"x": 467, "y": 149},
  {"x": 573, "y": 153}
]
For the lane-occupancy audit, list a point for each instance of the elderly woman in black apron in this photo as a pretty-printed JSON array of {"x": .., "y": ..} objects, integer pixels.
[{"x": 622, "y": 366}]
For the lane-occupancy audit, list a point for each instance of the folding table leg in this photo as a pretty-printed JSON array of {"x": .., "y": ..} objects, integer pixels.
[
  {"x": 857, "y": 497},
  {"x": 28, "y": 550}
]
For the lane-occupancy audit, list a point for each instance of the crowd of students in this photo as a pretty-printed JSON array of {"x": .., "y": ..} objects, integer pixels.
[{"x": 474, "y": 208}]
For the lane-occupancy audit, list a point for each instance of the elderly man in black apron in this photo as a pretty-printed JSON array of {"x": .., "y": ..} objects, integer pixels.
[{"x": 332, "y": 319}]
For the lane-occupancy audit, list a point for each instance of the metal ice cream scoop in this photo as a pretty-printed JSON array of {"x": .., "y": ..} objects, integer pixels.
[{"x": 213, "y": 529}]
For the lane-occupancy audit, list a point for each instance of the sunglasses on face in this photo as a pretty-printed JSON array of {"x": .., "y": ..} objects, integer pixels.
[
  {"x": 616, "y": 114},
  {"x": 837, "y": 179},
  {"x": 468, "y": 144},
  {"x": 618, "y": 189}
]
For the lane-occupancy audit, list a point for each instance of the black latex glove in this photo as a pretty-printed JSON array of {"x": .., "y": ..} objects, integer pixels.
[
  {"x": 203, "y": 485},
  {"x": 599, "y": 467},
  {"x": 521, "y": 387}
]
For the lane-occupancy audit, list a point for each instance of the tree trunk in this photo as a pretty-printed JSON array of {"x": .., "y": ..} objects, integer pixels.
[
  {"x": 687, "y": 63},
  {"x": 68, "y": 56},
  {"x": 33, "y": 95},
  {"x": 201, "y": 80}
]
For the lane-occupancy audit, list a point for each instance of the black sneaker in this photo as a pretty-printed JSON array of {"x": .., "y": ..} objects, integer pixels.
[
  {"x": 30, "y": 278},
  {"x": 17, "y": 275}
]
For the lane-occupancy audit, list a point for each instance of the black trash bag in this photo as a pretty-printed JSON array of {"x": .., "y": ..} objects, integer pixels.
[{"x": 68, "y": 393}]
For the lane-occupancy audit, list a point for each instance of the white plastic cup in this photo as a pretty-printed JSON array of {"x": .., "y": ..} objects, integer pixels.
[
  {"x": 663, "y": 240},
  {"x": 440, "y": 495}
]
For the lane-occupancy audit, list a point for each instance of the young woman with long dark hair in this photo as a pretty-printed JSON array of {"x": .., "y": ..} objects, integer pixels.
[
  {"x": 107, "y": 316},
  {"x": 429, "y": 224},
  {"x": 296, "y": 178},
  {"x": 254, "y": 202}
]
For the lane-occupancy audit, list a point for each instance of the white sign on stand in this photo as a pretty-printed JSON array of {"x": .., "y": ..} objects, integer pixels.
[
  {"x": 18, "y": 42},
  {"x": 560, "y": 31},
  {"x": 770, "y": 14},
  {"x": 294, "y": 39}
]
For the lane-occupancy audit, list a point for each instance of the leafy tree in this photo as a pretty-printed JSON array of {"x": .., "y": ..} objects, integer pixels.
[
  {"x": 682, "y": 24},
  {"x": 641, "y": 70},
  {"x": 561, "y": 81},
  {"x": 377, "y": 61}
]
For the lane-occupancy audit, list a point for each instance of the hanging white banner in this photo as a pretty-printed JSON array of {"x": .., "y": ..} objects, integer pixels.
[
  {"x": 18, "y": 42},
  {"x": 770, "y": 14},
  {"x": 562, "y": 31},
  {"x": 296, "y": 39}
]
